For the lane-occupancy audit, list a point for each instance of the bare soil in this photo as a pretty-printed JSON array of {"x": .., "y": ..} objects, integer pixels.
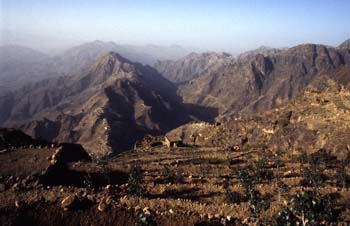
[{"x": 183, "y": 186}]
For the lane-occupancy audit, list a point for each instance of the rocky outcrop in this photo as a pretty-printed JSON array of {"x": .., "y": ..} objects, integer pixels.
[
  {"x": 70, "y": 202},
  {"x": 12, "y": 138}
]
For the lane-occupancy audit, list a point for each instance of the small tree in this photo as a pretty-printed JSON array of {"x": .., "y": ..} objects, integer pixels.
[
  {"x": 88, "y": 181},
  {"x": 286, "y": 217},
  {"x": 172, "y": 175},
  {"x": 311, "y": 169},
  {"x": 262, "y": 171},
  {"x": 342, "y": 176},
  {"x": 257, "y": 203},
  {"x": 308, "y": 208},
  {"x": 135, "y": 186},
  {"x": 313, "y": 176},
  {"x": 234, "y": 197},
  {"x": 144, "y": 219},
  {"x": 281, "y": 186}
]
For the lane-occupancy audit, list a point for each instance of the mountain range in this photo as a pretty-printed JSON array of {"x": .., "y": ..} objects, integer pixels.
[
  {"x": 108, "y": 107},
  {"x": 22, "y": 65},
  {"x": 258, "y": 82},
  {"x": 105, "y": 101},
  {"x": 317, "y": 119}
]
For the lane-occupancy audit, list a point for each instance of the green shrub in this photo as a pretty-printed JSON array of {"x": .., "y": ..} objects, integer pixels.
[
  {"x": 234, "y": 197},
  {"x": 262, "y": 172},
  {"x": 341, "y": 175},
  {"x": 144, "y": 219},
  {"x": 308, "y": 208},
  {"x": 135, "y": 186},
  {"x": 87, "y": 181},
  {"x": 312, "y": 168},
  {"x": 172, "y": 175},
  {"x": 248, "y": 178}
]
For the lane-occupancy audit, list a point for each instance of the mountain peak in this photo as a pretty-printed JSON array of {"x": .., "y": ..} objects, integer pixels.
[
  {"x": 116, "y": 56},
  {"x": 207, "y": 54},
  {"x": 110, "y": 64},
  {"x": 345, "y": 44},
  {"x": 100, "y": 42},
  {"x": 264, "y": 48},
  {"x": 190, "y": 66}
]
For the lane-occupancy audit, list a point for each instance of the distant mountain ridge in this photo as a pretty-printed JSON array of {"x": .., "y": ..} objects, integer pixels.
[
  {"x": 78, "y": 57},
  {"x": 257, "y": 83},
  {"x": 345, "y": 44},
  {"x": 191, "y": 66},
  {"x": 197, "y": 65},
  {"x": 105, "y": 109},
  {"x": 21, "y": 65},
  {"x": 263, "y": 50}
]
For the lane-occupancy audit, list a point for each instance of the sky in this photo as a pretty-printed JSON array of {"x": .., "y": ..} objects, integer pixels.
[{"x": 216, "y": 25}]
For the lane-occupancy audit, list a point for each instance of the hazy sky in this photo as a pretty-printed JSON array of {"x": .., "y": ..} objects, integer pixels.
[{"x": 230, "y": 25}]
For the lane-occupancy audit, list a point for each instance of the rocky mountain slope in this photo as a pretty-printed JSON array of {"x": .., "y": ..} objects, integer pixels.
[
  {"x": 191, "y": 66},
  {"x": 263, "y": 50},
  {"x": 258, "y": 83},
  {"x": 345, "y": 44},
  {"x": 21, "y": 65},
  {"x": 317, "y": 119},
  {"x": 196, "y": 65},
  {"x": 106, "y": 108}
]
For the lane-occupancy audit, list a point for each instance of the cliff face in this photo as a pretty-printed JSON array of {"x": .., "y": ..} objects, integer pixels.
[{"x": 257, "y": 83}]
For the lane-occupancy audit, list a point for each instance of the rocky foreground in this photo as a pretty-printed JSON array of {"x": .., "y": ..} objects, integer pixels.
[
  {"x": 50, "y": 185},
  {"x": 61, "y": 185}
]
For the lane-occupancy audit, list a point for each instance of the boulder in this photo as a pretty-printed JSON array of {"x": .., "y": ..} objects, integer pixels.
[{"x": 70, "y": 202}]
